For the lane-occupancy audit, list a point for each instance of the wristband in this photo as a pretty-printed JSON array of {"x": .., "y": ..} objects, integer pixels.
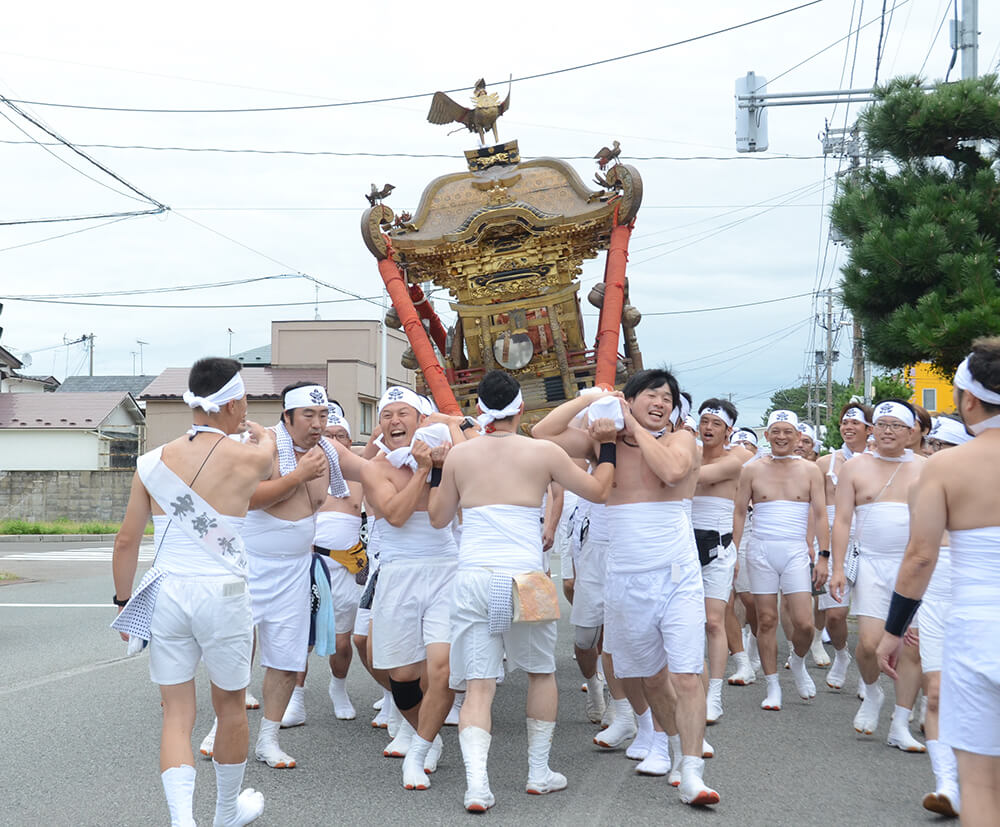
[
  {"x": 117, "y": 602},
  {"x": 608, "y": 453},
  {"x": 467, "y": 423},
  {"x": 824, "y": 552},
  {"x": 435, "y": 477},
  {"x": 901, "y": 612}
]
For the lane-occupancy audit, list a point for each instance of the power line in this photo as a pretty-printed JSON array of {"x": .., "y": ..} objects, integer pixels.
[
  {"x": 739, "y": 346},
  {"x": 734, "y": 362},
  {"x": 372, "y": 299},
  {"x": 930, "y": 48},
  {"x": 52, "y": 134},
  {"x": 340, "y": 104},
  {"x": 343, "y": 154},
  {"x": 713, "y": 309},
  {"x": 64, "y": 235},
  {"x": 180, "y": 288}
]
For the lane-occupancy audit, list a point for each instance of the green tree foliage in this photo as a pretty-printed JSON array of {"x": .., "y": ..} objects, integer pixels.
[{"x": 924, "y": 236}]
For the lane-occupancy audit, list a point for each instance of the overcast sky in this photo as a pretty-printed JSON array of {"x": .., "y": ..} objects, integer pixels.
[{"x": 710, "y": 232}]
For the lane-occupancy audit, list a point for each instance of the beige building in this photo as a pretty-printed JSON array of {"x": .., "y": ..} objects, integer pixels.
[{"x": 344, "y": 356}]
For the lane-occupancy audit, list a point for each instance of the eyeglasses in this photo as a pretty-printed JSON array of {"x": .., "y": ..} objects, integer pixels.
[{"x": 893, "y": 427}]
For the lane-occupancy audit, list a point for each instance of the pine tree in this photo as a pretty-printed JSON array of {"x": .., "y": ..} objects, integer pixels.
[{"x": 924, "y": 231}]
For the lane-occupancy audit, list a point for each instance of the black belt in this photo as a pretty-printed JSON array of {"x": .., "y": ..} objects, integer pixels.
[{"x": 709, "y": 541}]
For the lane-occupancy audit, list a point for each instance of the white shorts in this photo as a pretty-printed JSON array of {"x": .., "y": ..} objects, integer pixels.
[
  {"x": 717, "y": 576},
  {"x": 741, "y": 583},
  {"x": 778, "y": 565},
  {"x": 412, "y": 608},
  {"x": 201, "y": 618},
  {"x": 346, "y": 593},
  {"x": 970, "y": 686},
  {"x": 362, "y": 622},
  {"x": 931, "y": 619},
  {"x": 475, "y": 653},
  {"x": 655, "y": 619},
  {"x": 588, "y": 587},
  {"x": 874, "y": 585},
  {"x": 826, "y": 600},
  {"x": 279, "y": 595}
]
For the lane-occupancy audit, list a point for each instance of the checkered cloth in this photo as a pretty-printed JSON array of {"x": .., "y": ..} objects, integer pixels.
[
  {"x": 134, "y": 620},
  {"x": 287, "y": 461},
  {"x": 500, "y": 609}
]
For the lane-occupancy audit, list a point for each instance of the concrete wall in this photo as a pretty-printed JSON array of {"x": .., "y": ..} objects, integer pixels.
[
  {"x": 48, "y": 449},
  {"x": 76, "y": 495}
]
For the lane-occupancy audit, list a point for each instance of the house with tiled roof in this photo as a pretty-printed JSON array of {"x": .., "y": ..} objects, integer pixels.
[
  {"x": 69, "y": 432},
  {"x": 344, "y": 356}
]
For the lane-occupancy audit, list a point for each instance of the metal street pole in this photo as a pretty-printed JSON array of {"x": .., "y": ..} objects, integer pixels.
[
  {"x": 968, "y": 38},
  {"x": 829, "y": 354}
]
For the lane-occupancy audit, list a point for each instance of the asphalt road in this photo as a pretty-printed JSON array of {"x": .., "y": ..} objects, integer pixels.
[{"x": 79, "y": 732}]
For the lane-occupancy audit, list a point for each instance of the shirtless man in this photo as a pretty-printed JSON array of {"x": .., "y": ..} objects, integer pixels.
[
  {"x": 279, "y": 536},
  {"x": 872, "y": 490},
  {"x": 712, "y": 518},
  {"x": 957, "y": 492},
  {"x": 202, "y": 611},
  {"x": 855, "y": 426},
  {"x": 411, "y": 631},
  {"x": 654, "y": 599},
  {"x": 500, "y": 536},
  {"x": 337, "y": 541},
  {"x": 786, "y": 491}
]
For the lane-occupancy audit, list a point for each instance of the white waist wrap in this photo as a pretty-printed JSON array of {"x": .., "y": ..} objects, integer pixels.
[
  {"x": 883, "y": 529},
  {"x": 780, "y": 520},
  {"x": 598, "y": 529},
  {"x": 415, "y": 540},
  {"x": 268, "y": 536},
  {"x": 337, "y": 531},
  {"x": 506, "y": 538},
  {"x": 650, "y": 536},
  {"x": 975, "y": 574},
  {"x": 713, "y": 514},
  {"x": 176, "y": 553}
]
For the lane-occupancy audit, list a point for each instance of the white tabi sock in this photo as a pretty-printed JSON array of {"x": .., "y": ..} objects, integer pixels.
[
  {"x": 674, "y": 744},
  {"x": 475, "y": 744},
  {"x": 414, "y": 777},
  {"x": 267, "y": 749},
  {"x": 741, "y": 660},
  {"x": 233, "y": 808},
  {"x": 899, "y": 731},
  {"x": 639, "y": 748},
  {"x": 178, "y": 787},
  {"x": 541, "y": 779},
  {"x": 945, "y": 768},
  {"x": 343, "y": 709}
]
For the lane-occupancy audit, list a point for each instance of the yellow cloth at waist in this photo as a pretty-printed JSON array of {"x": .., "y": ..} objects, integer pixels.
[{"x": 354, "y": 559}]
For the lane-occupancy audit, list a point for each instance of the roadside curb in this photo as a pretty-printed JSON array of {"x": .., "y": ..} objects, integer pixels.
[{"x": 56, "y": 538}]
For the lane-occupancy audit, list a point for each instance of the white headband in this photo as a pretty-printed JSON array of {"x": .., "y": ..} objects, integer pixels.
[
  {"x": 719, "y": 412},
  {"x": 807, "y": 430},
  {"x": 681, "y": 412},
  {"x": 950, "y": 431},
  {"x": 427, "y": 406},
  {"x": 783, "y": 416},
  {"x": 690, "y": 423},
  {"x": 855, "y": 413},
  {"x": 743, "y": 435},
  {"x": 305, "y": 397},
  {"x": 490, "y": 415},
  {"x": 901, "y": 412},
  {"x": 334, "y": 421},
  {"x": 965, "y": 380},
  {"x": 233, "y": 389},
  {"x": 334, "y": 411},
  {"x": 398, "y": 393}
]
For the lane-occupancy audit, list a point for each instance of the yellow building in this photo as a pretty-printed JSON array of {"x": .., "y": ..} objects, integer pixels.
[{"x": 930, "y": 389}]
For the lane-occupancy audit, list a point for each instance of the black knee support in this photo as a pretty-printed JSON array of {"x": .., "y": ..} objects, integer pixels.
[{"x": 406, "y": 694}]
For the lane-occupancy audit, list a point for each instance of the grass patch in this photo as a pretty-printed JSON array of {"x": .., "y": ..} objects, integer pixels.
[
  {"x": 8, "y": 575},
  {"x": 24, "y": 527}
]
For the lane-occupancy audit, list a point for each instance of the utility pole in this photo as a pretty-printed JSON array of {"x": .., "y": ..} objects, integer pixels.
[
  {"x": 91, "y": 338},
  {"x": 140, "y": 342},
  {"x": 858, "y": 358},
  {"x": 965, "y": 38},
  {"x": 829, "y": 354}
]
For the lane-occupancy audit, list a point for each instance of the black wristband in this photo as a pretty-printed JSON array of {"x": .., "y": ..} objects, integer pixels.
[
  {"x": 608, "y": 453},
  {"x": 117, "y": 602},
  {"x": 824, "y": 552},
  {"x": 435, "y": 477},
  {"x": 467, "y": 423},
  {"x": 901, "y": 612}
]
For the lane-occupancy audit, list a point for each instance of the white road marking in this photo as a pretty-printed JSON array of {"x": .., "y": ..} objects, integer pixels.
[{"x": 79, "y": 555}]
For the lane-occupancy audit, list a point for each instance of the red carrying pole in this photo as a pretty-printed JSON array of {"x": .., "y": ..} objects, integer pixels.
[
  {"x": 424, "y": 309},
  {"x": 423, "y": 350},
  {"x": 609, "y": 323}
]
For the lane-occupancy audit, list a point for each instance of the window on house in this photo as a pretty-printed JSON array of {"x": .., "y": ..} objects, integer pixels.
[
  {"x": 367, "y": 417},
  {"x": 930, "y": 399}
]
